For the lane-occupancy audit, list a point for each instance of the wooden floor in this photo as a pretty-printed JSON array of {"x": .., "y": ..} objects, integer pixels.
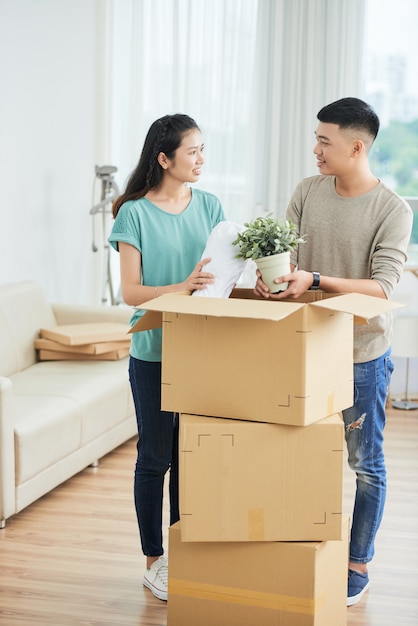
[{"x": 73, "y": 558}]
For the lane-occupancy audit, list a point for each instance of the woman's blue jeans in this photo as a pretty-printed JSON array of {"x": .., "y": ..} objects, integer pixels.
[
  {"x": 157, "y": 453},
  {"x": 364, "y": 425}
]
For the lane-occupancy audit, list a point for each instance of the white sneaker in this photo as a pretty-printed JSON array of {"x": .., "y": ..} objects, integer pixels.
[{"x": 156, "y": 578}]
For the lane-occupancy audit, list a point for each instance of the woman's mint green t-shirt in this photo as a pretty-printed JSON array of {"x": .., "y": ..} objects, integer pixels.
[{"x": 170, "y": 246}]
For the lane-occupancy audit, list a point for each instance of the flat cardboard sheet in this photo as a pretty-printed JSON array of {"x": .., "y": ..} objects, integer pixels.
[
  {"x": 80, "y": 334},
  {"x": 89, "y": 348},
  {"x": 53, "y": 355}
]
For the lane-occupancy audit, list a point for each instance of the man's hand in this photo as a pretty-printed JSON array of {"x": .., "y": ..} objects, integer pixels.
[{"x": 299, "y": 282}]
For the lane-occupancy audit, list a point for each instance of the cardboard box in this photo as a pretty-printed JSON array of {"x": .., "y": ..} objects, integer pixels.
[
  {"x": 248, "y": 481},
  {"x": 265, "y": 584},
  {"x": 288, "y": 362}
]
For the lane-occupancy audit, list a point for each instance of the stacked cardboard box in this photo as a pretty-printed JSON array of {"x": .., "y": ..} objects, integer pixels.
[
  {"x": 259, "y": 385},
  {"x": 257, "y": 583},
  {"x": 253, "y": 481},
  {"x": 263, "y": 537},
  {"x": 94, "y": 342}
]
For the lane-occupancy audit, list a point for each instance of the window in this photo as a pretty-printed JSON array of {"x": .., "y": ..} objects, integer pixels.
[{"x": 391, "y": 87}]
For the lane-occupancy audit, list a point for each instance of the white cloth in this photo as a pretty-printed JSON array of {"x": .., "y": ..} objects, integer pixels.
[{"x": 223, "y": 265}]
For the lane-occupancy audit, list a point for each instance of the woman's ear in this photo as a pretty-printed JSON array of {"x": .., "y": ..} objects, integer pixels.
[{"x": 162, "y": 160}]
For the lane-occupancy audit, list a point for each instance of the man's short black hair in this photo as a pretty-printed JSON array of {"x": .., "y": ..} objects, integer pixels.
[{"x": 351, "y": 113}]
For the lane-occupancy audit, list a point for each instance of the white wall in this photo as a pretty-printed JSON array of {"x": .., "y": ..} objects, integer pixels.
[{"x": 51, "y": 111}]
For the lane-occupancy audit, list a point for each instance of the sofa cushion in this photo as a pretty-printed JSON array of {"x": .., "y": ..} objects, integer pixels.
[
  {"x": 45, "y": 432},
  {"x": 24, "y": 309},
  {"x": 94, "y": 396}
]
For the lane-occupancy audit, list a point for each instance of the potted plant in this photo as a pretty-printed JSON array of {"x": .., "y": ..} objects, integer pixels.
[{"x": 269, "y": 241}]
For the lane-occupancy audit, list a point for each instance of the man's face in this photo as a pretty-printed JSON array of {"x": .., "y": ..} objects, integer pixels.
[{"x": 334, "y": 149}]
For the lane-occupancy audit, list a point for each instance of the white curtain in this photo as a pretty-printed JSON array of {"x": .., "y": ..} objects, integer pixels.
[
  {"x": 309, "y": 53},
  {"x": 252, "y": 73}
]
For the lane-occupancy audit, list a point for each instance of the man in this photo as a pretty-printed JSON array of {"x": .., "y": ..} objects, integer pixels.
[{"x": 357, "y": 232}]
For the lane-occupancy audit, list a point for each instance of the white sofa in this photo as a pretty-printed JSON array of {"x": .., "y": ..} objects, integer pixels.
[{"x": 56, "y": 417}]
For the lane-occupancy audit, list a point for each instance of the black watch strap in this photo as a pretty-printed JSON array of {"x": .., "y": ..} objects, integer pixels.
[{"x": 316, "y": 280}]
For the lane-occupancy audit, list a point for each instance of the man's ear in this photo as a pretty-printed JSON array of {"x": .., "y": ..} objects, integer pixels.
[{"x": 358, "y": 147}]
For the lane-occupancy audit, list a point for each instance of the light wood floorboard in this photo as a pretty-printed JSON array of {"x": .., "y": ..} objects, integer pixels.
[{"x": 73, "y": 558}]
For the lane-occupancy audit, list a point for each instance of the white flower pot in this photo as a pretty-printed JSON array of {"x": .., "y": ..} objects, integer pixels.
[{"x": 272, "y": 267}]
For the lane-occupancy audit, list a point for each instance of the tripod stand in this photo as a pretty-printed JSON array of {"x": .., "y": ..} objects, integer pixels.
[{"x": 109, "y": 191}]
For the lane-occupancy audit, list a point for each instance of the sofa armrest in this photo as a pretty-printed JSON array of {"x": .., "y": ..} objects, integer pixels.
[
  {"x": 73, "y": 314},
  {"x": 7, "y": 451}
]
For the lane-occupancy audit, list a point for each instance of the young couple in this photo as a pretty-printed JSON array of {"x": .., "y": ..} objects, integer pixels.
[{"x": 358, "y": 232}]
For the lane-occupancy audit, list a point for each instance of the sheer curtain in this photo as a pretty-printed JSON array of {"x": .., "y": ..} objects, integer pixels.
[
  {"x": 309, "y": 53},
  {"x": 252, "y": 73}
]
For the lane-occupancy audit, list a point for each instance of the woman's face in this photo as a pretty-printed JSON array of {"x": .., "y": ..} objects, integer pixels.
[{"x": 186, "y": 165}]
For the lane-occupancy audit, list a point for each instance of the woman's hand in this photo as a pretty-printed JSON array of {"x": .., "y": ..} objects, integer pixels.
[
  {"x": 198, "y": 279},
  {"x": 261, "y": 288}
]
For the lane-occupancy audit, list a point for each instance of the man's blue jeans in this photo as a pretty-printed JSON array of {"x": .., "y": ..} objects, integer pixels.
[
  {"x": 364, "y": 425},
  {"x": 157, "y": 453}
]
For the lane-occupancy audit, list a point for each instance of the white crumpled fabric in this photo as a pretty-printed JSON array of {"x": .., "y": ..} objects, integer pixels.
[{"x": 223, "y": 265}]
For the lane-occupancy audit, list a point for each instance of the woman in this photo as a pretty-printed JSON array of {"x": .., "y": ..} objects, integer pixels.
[{"x": 160, "y": 230}]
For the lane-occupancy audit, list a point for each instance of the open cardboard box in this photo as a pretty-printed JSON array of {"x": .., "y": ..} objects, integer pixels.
[
  {"x": 247, "y": 481},
  {"x": 287, "y": 362},
  {"x": 264, "y": 583}
]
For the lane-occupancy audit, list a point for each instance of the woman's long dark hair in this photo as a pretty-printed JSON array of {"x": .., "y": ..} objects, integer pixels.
[{"x": 165, "y": 135}]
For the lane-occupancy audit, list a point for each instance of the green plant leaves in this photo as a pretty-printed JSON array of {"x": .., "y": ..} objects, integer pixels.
[{"x": 265, "y": 236}]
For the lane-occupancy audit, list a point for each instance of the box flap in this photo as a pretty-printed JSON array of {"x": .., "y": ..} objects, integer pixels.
[
  {"x": 360, "y": 305},
  {"x": 215, "y": 307},
  {"x": 149, "y": 321}
]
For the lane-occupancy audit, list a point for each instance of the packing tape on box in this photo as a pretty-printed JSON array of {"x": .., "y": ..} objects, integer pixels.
[
  {"x": 256, "y": 524},
  {"x": 245, "y": 597},
  {"x": 331, "y": 404}
]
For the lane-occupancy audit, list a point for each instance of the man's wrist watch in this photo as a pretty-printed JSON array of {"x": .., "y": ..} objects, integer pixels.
[{"x": 316, "y": 280}]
